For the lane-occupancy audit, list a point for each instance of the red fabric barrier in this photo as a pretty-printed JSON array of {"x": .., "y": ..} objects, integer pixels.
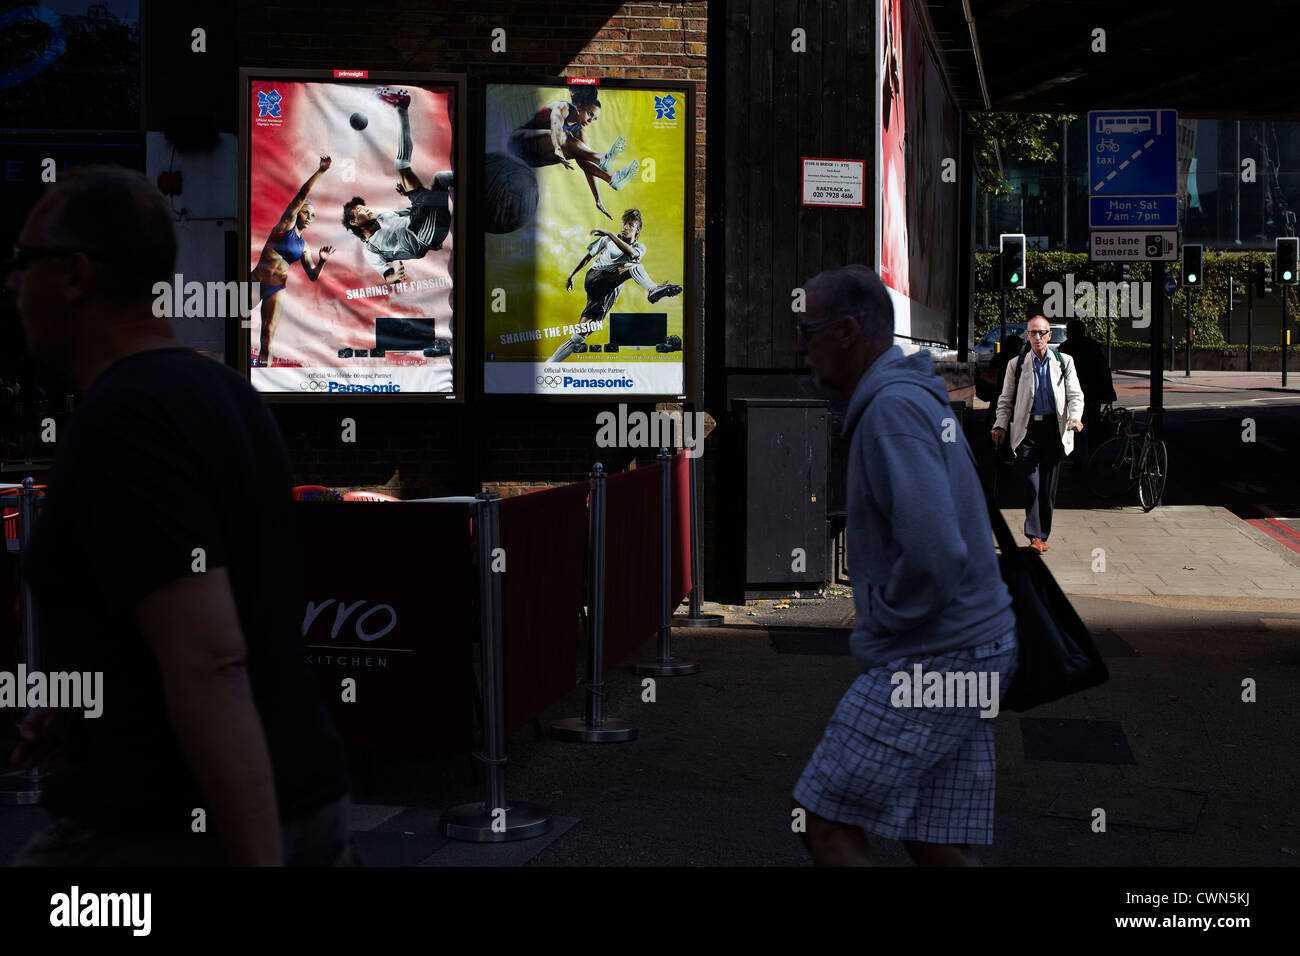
[
  {"x": 680, "y": 577},
  {"x": 391, "y": 600},
  {"x": 10, "y": 623},
  {"x": 631, "y": 561},
  {"x": 544, "y": 535}
]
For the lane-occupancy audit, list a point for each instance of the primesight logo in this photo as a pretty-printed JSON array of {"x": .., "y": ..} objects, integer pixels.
[{"x": 1086, "y": 300}]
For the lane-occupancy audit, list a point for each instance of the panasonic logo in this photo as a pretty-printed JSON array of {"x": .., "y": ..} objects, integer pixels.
[
  {"x": 571, "y": 382},
  {"x": 347, "y": 387}
]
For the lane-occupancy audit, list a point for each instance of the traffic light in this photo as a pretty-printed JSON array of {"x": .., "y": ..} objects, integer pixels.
[
  {"x": 1286, "y": 261},
  {"x": 1193, "y": 262},
  {"x": 1014, "y": 273},
  {"x": 1261, "y": 281}
]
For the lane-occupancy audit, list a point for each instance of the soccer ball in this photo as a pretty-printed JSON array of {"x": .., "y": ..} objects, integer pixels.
[
  {"x": 509, "y": 193},
  {"x": 359, "y": 121}
]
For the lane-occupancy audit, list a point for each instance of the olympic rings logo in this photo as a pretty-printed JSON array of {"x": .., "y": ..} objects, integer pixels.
[
  {"x": 550, "y": 381},
  {"x": 314, "y": 386}
]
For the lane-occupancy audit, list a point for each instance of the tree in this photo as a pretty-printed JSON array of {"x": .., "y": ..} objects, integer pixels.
[{"x": 1025, "y": 137}]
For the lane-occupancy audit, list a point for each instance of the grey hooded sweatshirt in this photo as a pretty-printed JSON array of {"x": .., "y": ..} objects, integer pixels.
[{"x": 925, "y": 577}]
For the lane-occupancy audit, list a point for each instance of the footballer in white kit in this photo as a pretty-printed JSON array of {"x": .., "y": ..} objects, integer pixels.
[
  {"x": 394, "y": 235},
  {"x": 614, "y": 258}
]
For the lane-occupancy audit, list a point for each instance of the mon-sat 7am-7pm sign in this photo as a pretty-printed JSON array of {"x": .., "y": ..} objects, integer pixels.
[{"x": 1133, "y": 169}]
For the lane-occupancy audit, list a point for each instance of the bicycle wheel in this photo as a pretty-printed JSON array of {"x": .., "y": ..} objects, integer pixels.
[
  {"x": 1110, "y": 469},
  {"x": 1154, "y": 471}
]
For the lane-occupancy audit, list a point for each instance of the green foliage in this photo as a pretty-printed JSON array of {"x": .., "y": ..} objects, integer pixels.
[
  {"x": 1209, "y": 303},
  {"x": 1025, "y": 137}
]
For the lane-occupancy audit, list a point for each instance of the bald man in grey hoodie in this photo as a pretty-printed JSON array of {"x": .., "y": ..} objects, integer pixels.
[{"x": 908, "y": 754}]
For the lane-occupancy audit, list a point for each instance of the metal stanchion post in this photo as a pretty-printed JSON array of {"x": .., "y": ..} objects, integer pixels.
[
  {"x": 495, "y": 820},
  {"x": 665, "y": 665},
  {"x": 696, "y": 618},
  {"x": 595, "y": 727},
  {"x": 25, "y": 787}
]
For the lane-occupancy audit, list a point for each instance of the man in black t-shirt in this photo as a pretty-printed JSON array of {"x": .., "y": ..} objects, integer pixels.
[{"x": 166, "y": 559}]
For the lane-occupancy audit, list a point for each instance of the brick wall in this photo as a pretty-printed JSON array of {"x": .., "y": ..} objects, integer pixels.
[{"x": 579, "y": 38}]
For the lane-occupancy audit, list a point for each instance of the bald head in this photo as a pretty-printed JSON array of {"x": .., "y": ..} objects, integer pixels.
[
  {"x": 121, "y": 221},
  {"x": 857, "y": 291}
]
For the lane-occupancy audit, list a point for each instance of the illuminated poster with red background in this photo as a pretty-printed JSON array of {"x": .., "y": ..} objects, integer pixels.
[
  {"x": 918, "y": 215},
  {"x": 329, "y": 298},
  {"x": 893, "y": 243}
]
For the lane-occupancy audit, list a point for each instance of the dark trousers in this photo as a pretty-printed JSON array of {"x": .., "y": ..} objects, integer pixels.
[{"x": 1039, "y": 460}]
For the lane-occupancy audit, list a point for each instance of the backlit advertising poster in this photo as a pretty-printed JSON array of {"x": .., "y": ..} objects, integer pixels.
[
  {"x": 585, "y": 214},
  {"x": 351, "y": 234},
  {"x": 918, "y": 241}
]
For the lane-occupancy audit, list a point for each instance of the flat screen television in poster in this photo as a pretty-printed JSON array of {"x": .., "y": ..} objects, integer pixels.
[
  {"x": 586, "y": 209},
  {"x": 351, "y": 234}
]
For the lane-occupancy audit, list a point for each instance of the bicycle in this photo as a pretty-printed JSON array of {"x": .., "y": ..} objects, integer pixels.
[{"x": 1130, "y": 458}]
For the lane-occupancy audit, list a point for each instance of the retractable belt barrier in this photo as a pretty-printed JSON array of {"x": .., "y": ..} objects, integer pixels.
[
  {"x": 23, "y": 787},
  {"x": 672, "y": 583},
  {"x": 594, "y": 726}
]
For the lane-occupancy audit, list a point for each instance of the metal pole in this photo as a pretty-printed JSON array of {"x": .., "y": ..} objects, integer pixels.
[
  {"x": 665, "y": 665},
  {"x": 1227, "y": 325},
  {"x": 1065, "y": 187},
  {"x": 1172, "y": 350},
  {"x": 494, "y": 820},
  {"x": 25, "y": 787},
  {"x": 595, "y": 727},
  {"x": 490, "y": 596},
  {"x": 696, "y": 617},
  {"x": 596, "y": 646},
  {"x": 1236, "y": 201},
  {"x": 1188, "y": 370},
  {"x": 1250, "y": 320},
  {"x": 1285, "y": 297},
  {"x": 1002, "y": 329},
  {"x": 1157, "y": 341}
]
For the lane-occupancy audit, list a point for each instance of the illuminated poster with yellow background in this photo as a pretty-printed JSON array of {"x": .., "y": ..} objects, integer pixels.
[{"x": 584, "y": 209}]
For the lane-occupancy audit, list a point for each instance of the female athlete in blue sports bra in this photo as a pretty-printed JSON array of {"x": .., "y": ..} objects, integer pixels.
[
  {"x": 285, "y": 246},
  {"x": 557, "y": 133}
]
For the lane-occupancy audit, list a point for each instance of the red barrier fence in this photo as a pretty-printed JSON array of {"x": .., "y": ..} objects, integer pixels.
[
  {"x": 544, "y": 539},
  {"x": 631, "y": 562},
  {"x": 389, "y": 603}
]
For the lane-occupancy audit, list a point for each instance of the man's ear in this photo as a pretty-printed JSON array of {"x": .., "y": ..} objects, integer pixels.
[{"x": 81, "y": 273}]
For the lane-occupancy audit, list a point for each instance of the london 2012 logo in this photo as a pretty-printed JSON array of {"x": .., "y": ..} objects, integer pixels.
[
  {"x": 268, "y": 103},
  {"x": 665, "y": 107}
]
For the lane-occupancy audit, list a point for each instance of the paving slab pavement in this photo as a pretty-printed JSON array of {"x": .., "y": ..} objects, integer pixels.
[{"x": 1183, "y": 549}]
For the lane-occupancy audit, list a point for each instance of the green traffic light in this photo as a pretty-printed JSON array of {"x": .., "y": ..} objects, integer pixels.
[
  {"x": 1191, "y": 278},
  {"x": 1015, "y": 278},
  {"x": 1286, "y": 275}
]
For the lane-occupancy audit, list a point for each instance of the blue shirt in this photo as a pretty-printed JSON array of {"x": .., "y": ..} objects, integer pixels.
[{"x": 1044, "y": 399}]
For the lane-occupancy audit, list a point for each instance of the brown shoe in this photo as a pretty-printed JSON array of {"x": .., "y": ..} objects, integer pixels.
[{"x": 1038, "y": 544}]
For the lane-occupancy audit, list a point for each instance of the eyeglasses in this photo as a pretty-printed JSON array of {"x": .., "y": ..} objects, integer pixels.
[
  {"x": 1039, "y": 333},
  {"x": 807, "y": 330},
  {"x": 25, "y": 255}
]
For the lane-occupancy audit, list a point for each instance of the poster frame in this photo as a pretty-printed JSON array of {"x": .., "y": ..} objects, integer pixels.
[
  {"x": 462, "y": 239},
  {"x": 692, "y": 325}
]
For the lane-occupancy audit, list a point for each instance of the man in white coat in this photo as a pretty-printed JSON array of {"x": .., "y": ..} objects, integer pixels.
[{"x": 1048, "y": 404}]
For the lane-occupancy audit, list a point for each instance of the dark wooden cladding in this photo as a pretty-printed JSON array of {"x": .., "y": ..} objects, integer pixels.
[
  {"x": 783, "y": 105},
  {"x": 734, "y": 64}
]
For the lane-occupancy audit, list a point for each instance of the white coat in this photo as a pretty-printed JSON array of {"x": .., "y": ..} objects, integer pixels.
[{"x": 1066, "y": 392}]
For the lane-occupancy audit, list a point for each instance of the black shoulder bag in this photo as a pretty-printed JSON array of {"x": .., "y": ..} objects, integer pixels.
[{"x": 1057, "y": 654}]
